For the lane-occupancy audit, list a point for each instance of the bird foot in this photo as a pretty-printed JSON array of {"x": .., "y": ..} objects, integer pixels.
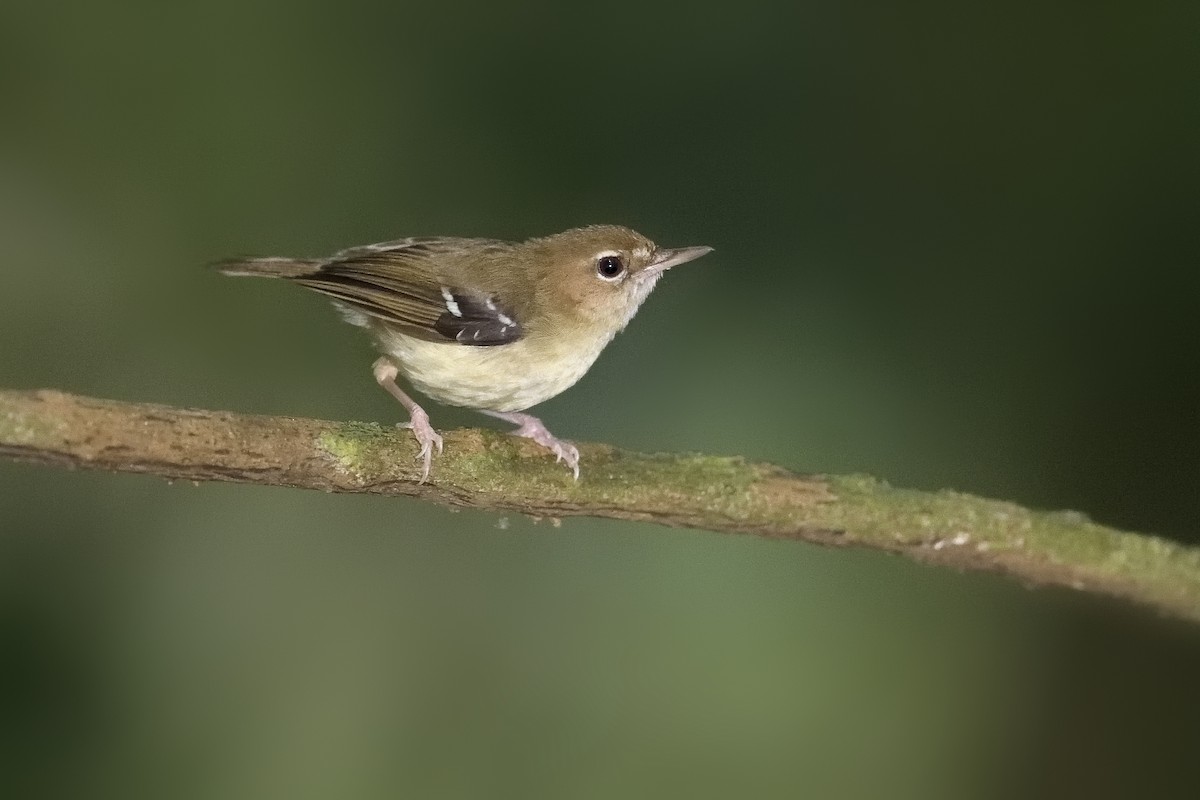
[
  {"x": 530, "y": 427},
  {"x": 385, "y": 374},
  {"x": 426, "y": 437}
]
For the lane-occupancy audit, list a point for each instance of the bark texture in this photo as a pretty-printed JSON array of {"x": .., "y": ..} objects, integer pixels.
[{"x": 491, "y": 470}]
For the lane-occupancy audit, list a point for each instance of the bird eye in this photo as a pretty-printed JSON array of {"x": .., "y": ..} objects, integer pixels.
[{"x": 610, "y": 267}]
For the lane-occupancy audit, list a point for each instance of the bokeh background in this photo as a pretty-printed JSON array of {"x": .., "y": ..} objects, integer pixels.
[{"x": 956, "y": 246}]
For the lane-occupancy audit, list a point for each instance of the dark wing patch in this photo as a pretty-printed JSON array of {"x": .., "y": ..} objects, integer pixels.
[
  {"x": 475, "y": 320},
  {"x": 396, "y": 282}
]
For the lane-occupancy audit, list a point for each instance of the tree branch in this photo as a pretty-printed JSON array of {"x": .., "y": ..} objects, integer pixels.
[{"x": 491, "y": 470}]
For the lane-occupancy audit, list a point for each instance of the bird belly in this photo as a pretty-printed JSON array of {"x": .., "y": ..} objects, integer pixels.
[{"x": 510, "y": 377}]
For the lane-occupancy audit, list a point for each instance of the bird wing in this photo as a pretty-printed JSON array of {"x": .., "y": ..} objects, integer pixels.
[{"x": 400, "y": 283}]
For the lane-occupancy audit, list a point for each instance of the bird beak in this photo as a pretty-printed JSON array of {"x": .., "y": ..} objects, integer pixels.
[{"x": 664, "y": 259}]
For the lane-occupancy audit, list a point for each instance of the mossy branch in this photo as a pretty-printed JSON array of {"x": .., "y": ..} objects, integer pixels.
[{"x": 492, "y": 470}]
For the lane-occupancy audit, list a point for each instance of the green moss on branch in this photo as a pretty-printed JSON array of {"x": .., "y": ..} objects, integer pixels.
[{"x": 491, "y": 470}]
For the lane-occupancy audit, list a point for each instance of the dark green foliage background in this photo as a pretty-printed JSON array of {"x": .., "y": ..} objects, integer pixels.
[{"x": 956, "y": 247}]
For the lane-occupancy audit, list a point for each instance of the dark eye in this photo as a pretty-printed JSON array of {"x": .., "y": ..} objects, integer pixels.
[{"x": 609, "y": 267}]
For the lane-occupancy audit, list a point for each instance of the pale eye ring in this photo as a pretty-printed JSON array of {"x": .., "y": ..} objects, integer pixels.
[{"x": 610, "y": 267}]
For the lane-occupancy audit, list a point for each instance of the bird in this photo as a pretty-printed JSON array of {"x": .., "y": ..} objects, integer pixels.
[{"x": 495, "y": 326}]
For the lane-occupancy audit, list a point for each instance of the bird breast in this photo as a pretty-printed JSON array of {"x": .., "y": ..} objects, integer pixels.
[{"x": 510, "y": 377}]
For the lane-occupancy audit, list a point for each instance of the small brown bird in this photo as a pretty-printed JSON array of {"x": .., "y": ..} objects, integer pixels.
[{"x": 490, "y": 325}]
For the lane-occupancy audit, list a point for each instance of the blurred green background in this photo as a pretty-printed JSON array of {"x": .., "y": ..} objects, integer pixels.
[{"x": 956, "y": 247}]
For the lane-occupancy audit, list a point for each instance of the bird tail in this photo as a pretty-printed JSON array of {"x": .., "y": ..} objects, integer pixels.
[{"x": 267, "y": 267}]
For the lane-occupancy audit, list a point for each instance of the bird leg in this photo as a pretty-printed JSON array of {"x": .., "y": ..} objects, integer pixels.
[
  {"x": 385, "y": 375},
  {"x": 530, "y": 427}
]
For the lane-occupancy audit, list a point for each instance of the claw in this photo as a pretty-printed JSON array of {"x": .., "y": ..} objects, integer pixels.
[
  {"x": 532, "y": 428},
  {"x": 385, "y": 374},
  {"x": 426, "y": 437}
]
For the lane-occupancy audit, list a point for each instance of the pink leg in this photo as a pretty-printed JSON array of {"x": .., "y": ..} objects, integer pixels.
[
  {"x": 531, "y": 427},
  {"x": 427, "y": 437}
]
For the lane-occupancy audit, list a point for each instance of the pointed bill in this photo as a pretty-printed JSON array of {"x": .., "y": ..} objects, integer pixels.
[{"x": 665, "y": 258}]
